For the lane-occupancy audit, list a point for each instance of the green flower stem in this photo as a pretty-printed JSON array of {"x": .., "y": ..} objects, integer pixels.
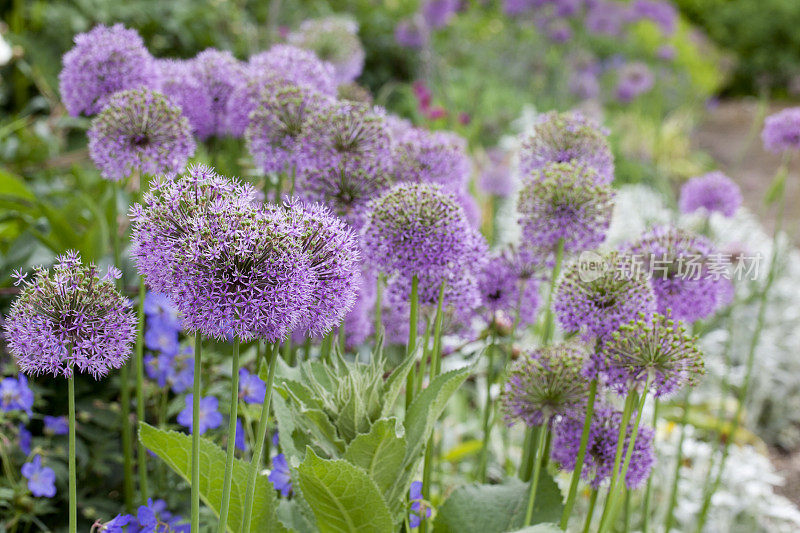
[
  {"x": 487, "y": 412},
  {"x": 232, "y": 417},
  {"x": 626, "y": 417},
  {"x": 196, "y": 435},
  {"x": 426, "y": 354},
  {"x": 378, "y": 303},
  {"x": 436, "y": 366},
  {"x": 141, "y": 453},
  {"x": 673, "y": 491},
  {"x": 412, "y": 336},
  {"x": 627, "y": 523},
  {"x": 592, "y": 504},
  {"x": 73, "y": 485},
  {"x": 525, "y": 466},
  {"x": 576, "y": 472},
  {"x": 648, "y": 493},
  {"x": 255, "y": 460},
  {"x": 287, "y": 351},
  {"x": 326, "y": 347},
  {"x": 762, "y": 307},
  {"x": 341, "y": 335},
  {"x": 537, "y": 468}
]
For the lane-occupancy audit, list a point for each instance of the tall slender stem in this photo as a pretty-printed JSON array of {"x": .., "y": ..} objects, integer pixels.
[
  {"x": 673, "y": 491},
  {"x": 426, "y": 354},
  {"x": 255, "y": 460},
  {"x": 537, "y": 468},
  {"x": 73, "y": 485},
  {"x": 195, "y": 487},
  {"x": 590, "y": 513},
  {"x": 626, "y": 417},
  {"x": 141, "y": 453},
  {"x": 576, "y": 472},
  {"x": 233, "y": 416},
  {"x": 378, "y": 303},
  {"x": 648, "y": 492},
  {"x": 487, "y": 411},
  {"x": 412, "y": 336}
]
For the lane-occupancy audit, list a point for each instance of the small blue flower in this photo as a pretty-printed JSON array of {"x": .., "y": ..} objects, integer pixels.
[
  {"x": 41, "y": 479},
  {"x": 239, "y": 441},
  {"x": 275, "y": 439},
  {"x": 416, "y": 499},
  {"x": 161, "y": 338},
  {"x": 16, "y": 395},
  {"x": 252, "y": 388},
  {"x": 210, "y": 417},
  {"x": 117, "y": 524},
  {"x": 158, "y": 307},
  {"x": 56, "y": 425},
  {"x": 280, "y": 476},
  {"x": 25, "y": 439}
]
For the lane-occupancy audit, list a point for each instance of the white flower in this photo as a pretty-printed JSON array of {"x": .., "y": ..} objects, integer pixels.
[{"x": 5, "y": 52}]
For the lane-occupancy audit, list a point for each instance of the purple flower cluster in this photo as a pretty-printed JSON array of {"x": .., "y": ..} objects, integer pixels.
[
  {"x": 781, "y": 131},
  {"x": 139, "y": 130},
  {"x": 713, "y": 192},
  {"x": 334, "y": 40},
  {"x": 634, "y": 79},
  {"x": 70, "y": 317},
  {"x": 15, "y": 395},
  {"x": 661, "y": 12},
  {"x": 495, "y": 174},
  {"x": 168, "y": 365},
  {"x": 435, "y": 157},
  {"x": 186, "y": 91},
  {"x": 298, "y": 67},
  {"x": 217, "y": 73},
  {"x": 505, "y": 293},
  {"x": 601, "y": 447}
]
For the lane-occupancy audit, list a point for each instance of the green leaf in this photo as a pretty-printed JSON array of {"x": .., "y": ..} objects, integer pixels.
[
  {"x": 342, "y": 496},
  {"x": 175, "y": 449},
  {"x": 13, "y": 188},
  {"x": 498, "y": 508},
  {"x": 396, "y": 380},
  {"x": 380, "y": 452}
]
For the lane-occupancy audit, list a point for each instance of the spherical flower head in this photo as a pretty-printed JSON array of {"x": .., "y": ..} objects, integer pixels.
[
  {"x": 359, "y": 321},
  {"x": 218, "y": 74},
  {"x": 70, "y": 317},
  {"x": 677, "y": 262},
  {"x": 209, "y": 417},
  {"x": 185, "y": 90},
  {"x": 654, "y": 346},
  {"x": 781, "y": 131},
  {"x": 436, "y": 157},
  {"x": 565, "y": 201},
  {"x": 298, "y": 66},
  {"x": 254, "y": 88},
  {"x": 334, "y": 40},
  {"x": 495, "y": 174},
  {"x": 277, "y": 128},
  {"x": 504, "y": 292},
  {"x": 280, "y": 476},
  {"x": 662, "y": 13},
  {"x": 601, "y": 447},
  {"x": 335, "y": 260},
  {"x": 567, "y": 138},
  {"x": 103, "y": 61},
  {"x": 597, "y": 303},
  {"x": 714, "y": 192},
  {"x": 231, "y": 266},
  {"x": 634, "y": 79},
  {"x": 41, "y": 479},
  {"x": 605, "y": 17},
  {"x": 545, "y": 383},
  {"x": 141, "y": 131},
  {"x": 412, "y": 32}
]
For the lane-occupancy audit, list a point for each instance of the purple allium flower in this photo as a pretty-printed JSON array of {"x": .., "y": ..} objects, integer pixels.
[
  {"x": 584, "y": 84},
  {"x": 210, "y": 417},
  {"x": 713, "y": 191},
  {"x": 504, "y": 291},
  {"x": 280, "y": 476},
  {"x": 278, "y": 127},
  {"x": 436, "y": 157},
  {"x": 252, "y": 388},
  {"x": 16, "y": 395},
  {"x": 420, "y": 229},
  {"x": 416, "y": 499},
  {"x": 438, "y": 13},
  {"x": 634, "y": 79},
  {"x": 597, "y": 303},
  {"x": 559, "y": 31},
  {"x": 297, "y": 66},
  {"x": 495, "y": 174},
  {"x": 158, "y": 307},
  {"x": 161, "y": 338},
  {"x": 565, "y": 201},
  {"x": 70, "y": 317},
  {"x": 516, "y": 7},
  {"x": 359, "y": 321},
  {"x": 184, "y": 89},
  {"x": 653, "y": 345},
  {"x": 334, "y": 40},
  {"x": 218, "y": 73},
  {"x": 140, "y": 131},
  {"x": 25, "y": 439},
  {"x": 782, "y": 131},
  {"x": 412, "y": 32},
  {"x": 56, "y": 425},
  {"x": 335, "y": 259},
  {"x": 230, "y": 266},
  {"x": 660, "y": 12},
  {"x": 103, "y": 61},
  {"x": 567, "y": 138},
  {"x": 678, "y": 264},
  {"x": 602, "y": 445},
  {"x": 545, "y": 383},
  {"x": 605, "y": 17},
  {"x": 41, "y": 479}
]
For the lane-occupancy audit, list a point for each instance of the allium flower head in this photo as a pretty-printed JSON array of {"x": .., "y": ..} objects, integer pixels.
[
  {"x": 782, "y": 131},
  {"x": 218, "y": 73},
  {"x": 334, "y": 40},
  {"x": 601, "y": 447},
  {"x": 634, "y": 79},
  {"x": 595, "y": 303},
  {"x": 103, "y": 61},
  {"x": 335, "y": 259},
  {"x": 436, "y": 157},
  {"x": 565, "y": 201},
  {"x": 278, "y": 127},
  {"x": 185, "y": 90},
  {"x": 605, "y": 17},
  {"x": 678, "y": 265},
  {"x": 661, "y": 12},
  {"x": 297, "y": 66},
  {"x": 504, "y": 291},
  {"x": 255, "y": 87},
  {"x": 544, "y": 383},
  {"x": 567, "y": 138},
  {"x": 495, "y": 174},
  {"x": 654, "y": 346},
  {"x": 140, "y": 131},
  {"x": 230, "y": 266},
  {"x": 713, "y": 191},
  {"x": 70, "y": 317}
]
